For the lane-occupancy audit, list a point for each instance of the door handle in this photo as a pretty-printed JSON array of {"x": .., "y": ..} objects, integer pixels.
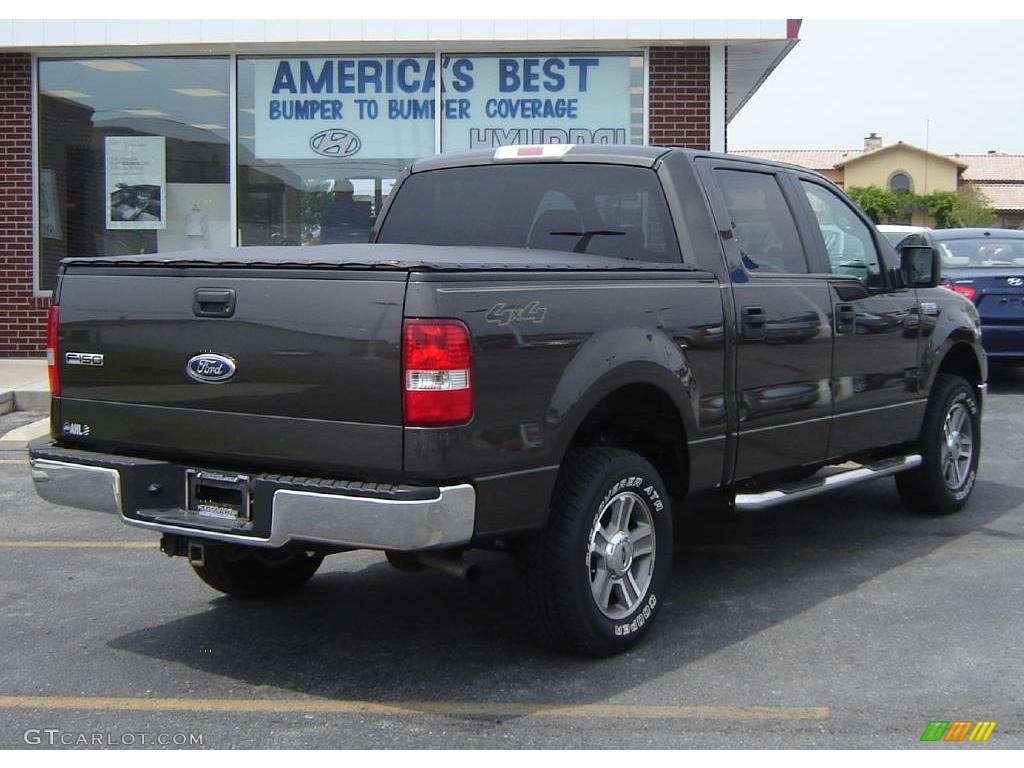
[
  {"x": 213, "y": 302},
  {"x": 846, "y": 318},
  {"x": 752, "y": 321}
]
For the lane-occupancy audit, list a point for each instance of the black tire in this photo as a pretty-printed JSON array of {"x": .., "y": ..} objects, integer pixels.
[
  {"x": 558, "y": 567},
  {"x": 248, "y": 573},
  {"x": 935, "y": 487}
]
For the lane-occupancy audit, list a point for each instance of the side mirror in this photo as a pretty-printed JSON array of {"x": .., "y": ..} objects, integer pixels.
[{"x": 920, "y": 265}]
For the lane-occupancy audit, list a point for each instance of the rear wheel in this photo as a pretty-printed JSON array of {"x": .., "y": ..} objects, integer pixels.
[
  {"x": 249, "y": 573},
  {"x": 950, "y": 445},
  {"x": 596, "y": 577}
]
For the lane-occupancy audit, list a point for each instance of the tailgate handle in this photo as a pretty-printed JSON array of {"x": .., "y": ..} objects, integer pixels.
[{"x": 213, "y": 302}]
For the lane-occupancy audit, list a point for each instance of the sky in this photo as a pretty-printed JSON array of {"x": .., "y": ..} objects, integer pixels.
[{"x": 956, "y": 85}]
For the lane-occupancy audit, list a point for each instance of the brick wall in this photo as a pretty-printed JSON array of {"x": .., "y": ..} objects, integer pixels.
[
  {"x": 22, "y": 317},
  {"x": 680, "y": 88}
]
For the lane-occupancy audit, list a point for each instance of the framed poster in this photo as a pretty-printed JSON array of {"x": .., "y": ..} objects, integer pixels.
[{"x": 136, "y": 171}]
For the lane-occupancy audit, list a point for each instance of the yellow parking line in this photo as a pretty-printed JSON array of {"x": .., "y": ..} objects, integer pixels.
[
  {"x": 62, "y": 544},
  {"x": 13, "y": 461},
  {"x": 443, "y": 708}
]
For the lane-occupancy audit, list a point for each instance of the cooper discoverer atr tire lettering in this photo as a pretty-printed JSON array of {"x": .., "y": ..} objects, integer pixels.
[
  {"x": 595, "y": 579},
  {"x": 950, "y": 445}
]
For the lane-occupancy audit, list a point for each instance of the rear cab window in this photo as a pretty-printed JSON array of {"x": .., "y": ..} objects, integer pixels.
[
  {"x": 761, "y": 222},
  {"x": 603, "y": 210}
]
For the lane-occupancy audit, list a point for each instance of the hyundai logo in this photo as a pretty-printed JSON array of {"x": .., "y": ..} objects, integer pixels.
[
  {"x": 1015, "y": 281},
  {"x": 210, "y": 369},
  {"x": 335, "y": 142}
]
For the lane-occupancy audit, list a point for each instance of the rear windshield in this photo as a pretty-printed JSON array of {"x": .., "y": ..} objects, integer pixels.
[
  {"x": 982, "y": 252},
  {"x": 605, "y": 210}
]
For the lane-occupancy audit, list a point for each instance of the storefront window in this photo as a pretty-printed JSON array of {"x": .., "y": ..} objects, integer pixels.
[
  {"x": 322, "y": 140},
  {"x": 490, "y": 101},
  {"x": 134, "y": 153},
  {"x": 133, "y": 157}
]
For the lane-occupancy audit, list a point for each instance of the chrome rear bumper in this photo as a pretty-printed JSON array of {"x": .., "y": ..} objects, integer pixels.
[
  {"x": 438, "y": 518},
  {"x": 77, "y": 485}
]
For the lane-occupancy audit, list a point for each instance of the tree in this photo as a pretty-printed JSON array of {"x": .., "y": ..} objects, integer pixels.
[
  {"x": 940, "y": 208},
  {"x": 879, "y": 204},
  {"x": 965, "y": 208},
  {"x": 972, "y": 209}
]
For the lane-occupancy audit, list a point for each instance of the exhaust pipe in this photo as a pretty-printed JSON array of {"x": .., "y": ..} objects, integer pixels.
[{"x": 451, "y": 564}]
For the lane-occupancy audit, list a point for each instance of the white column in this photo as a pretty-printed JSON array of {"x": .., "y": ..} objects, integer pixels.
[
  {"x": 438, "y": 102},
  {"x": 647, "y": 96},
  {"x": 233, "y": 150},
  {"x": 37, "y": 275},
  {"x": 717, "y": 97}
]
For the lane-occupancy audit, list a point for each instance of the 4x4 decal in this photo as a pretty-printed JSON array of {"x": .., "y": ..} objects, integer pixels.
[{"x": 502, "y": 314}]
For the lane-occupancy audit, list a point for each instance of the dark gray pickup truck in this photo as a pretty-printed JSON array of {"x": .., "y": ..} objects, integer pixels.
[{"x": 544, "y": 351}]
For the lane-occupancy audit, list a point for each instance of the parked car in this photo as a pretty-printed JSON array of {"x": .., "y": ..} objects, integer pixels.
[
  {"x": 987, "y": 267},
  {"x": 895, "y": 233},
  {"x": 544, "y": 352}
]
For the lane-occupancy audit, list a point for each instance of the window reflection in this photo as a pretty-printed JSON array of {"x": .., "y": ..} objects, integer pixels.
[
  {"x": 322, "y": 140},
  {"x": 101, "y": 191}
]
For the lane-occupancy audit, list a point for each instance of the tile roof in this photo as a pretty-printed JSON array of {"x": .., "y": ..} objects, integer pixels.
[
  {"x": 905, "y": 145},
  {"x": 985, "y": 167},
  {"x": 815, "y": 159},
  {"x": 1003, "y": 197},
  {"x": 993, "y": 167}
]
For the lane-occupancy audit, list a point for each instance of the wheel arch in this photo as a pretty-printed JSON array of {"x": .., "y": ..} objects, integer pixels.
[
  {"x": 638, "y": 416},
  {"x": 961, "y": 359}
]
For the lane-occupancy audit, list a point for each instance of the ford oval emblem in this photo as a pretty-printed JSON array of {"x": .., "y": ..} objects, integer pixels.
[
  {"x": 210, "y": 369},
  {"x": 335, "y": 142}
]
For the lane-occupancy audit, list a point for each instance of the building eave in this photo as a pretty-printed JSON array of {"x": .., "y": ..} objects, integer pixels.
[
  {"x": 252, "y": 35},
  {"x": 901, "y": 145}
]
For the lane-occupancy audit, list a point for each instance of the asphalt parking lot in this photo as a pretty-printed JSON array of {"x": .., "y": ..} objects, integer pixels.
[{"x": 840, "y": 622}]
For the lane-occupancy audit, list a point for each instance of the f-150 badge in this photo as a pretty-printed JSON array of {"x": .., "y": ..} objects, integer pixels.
[
  {"x": 83, "y": 358},
  {"x": 210, "y": 368}
]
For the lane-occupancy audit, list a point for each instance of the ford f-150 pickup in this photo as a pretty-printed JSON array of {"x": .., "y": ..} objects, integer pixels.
[{"x": 544, "y": 350}]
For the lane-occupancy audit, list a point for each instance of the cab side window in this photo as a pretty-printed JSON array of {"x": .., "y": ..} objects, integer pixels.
[
  {"x": 848, "y": 241},
  {"x": 762, "y": 222}
]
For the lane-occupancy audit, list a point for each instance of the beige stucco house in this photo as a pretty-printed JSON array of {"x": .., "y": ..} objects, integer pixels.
[{"x": 902, "y": 166}]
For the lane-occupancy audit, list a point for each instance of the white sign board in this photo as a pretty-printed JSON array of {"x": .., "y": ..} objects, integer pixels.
[
  {"x": 537, "y": 100},
  {"x": 136, "y": 180},
  {"x": 384, "y": 107},
  {"x": 371, "y": 108}
]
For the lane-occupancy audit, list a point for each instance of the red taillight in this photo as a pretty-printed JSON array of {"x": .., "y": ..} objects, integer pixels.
[
  {"x": 964, "y": 289},
  {"x": 52, "y": 368},
  {"x": 437, "y": 377}
]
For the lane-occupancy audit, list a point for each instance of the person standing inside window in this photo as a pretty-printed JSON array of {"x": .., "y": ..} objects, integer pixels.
[{"x": 345, "y": 220}]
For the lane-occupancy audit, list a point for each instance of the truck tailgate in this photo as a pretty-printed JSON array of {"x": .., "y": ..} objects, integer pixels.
[{"x": 316, "y": 354}]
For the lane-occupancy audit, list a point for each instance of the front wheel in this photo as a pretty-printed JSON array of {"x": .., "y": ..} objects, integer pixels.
[
  {"x": 950, "y": 445},
  {"x": 595, "y": 579},
  {"x": 250, "y": 573}
]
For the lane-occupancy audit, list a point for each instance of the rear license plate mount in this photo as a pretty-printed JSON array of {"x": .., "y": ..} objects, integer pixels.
[{"x": 218, "y": 495}]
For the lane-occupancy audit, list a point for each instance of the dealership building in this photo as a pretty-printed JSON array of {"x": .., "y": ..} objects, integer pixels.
[{"x": 131, "y": 137}]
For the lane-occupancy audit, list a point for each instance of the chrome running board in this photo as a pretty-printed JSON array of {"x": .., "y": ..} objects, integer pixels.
[{"x": 784, "y": 494}]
